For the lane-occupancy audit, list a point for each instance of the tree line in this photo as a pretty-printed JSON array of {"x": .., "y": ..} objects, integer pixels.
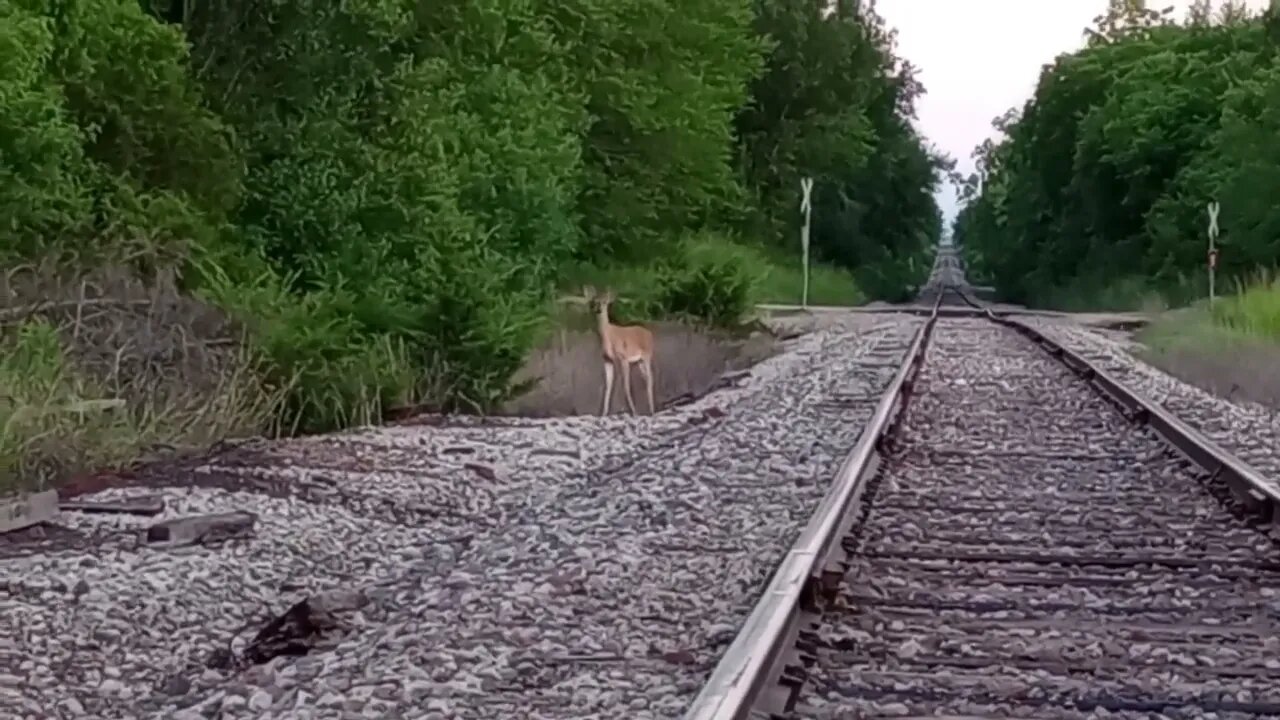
[
  {"x": 1099, "y": 185},
  {"x": 388, "y": 193}
]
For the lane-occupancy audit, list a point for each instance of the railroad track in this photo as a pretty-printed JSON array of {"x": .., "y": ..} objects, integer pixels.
[{"x": 1017, "y": 535}]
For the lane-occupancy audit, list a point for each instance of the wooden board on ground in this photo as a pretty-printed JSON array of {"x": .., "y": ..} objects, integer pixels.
[
  {"x": 199, "y": 529},
  {"x": 24, "y": 511},
  {"x": 141, "y": 505}
]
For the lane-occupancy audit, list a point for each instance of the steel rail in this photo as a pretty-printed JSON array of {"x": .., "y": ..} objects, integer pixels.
[
  {"x": 1259, "y": 494},
  {"x": 749, "y": 678},
  {"x": 744, "y": 678}
]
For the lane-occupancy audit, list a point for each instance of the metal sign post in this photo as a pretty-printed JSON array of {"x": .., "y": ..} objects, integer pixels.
[
  {"x": 806, "y": 207},
  {"x": 1213, "y": 250}
]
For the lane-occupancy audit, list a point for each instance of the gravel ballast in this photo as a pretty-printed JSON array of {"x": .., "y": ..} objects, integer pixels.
[
  {"x": 580, "y": 567},
  {"x": 1248, "y": 430},
  {"x": 1029, "y": 553}
]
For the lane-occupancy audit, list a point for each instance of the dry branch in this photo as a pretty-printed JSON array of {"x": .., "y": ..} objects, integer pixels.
[
  {"x": 17, "y": 314},
  {"x": 143, "y": 505}
]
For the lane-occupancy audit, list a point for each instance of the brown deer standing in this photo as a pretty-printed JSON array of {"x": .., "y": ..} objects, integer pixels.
[{"x": 622, "y": 347}]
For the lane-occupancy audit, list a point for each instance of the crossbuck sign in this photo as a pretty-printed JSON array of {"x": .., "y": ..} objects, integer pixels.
[
  {"x": 806, "y": 207},
  {"x": 1214, "y": 208}
]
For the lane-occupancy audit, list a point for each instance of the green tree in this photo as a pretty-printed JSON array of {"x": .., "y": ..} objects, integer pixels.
[
  {"x": 1103, "y": 176},
  {"x": 834, "y": 103}
]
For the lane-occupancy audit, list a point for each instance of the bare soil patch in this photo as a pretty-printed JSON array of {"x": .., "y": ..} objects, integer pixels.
[{"x": 688, "y": 363}]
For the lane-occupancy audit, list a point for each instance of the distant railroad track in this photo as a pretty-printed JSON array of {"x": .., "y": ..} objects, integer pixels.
[{"x": 1015, "y": 535}]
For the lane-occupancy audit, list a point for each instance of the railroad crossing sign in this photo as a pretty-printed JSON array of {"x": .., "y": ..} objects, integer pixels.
[
  {"x": 806, "y": 207},
  {"x": 1214, "y": 209}
]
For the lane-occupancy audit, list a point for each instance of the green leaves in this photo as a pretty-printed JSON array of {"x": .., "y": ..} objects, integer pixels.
[
  {"x": 706, "y": 285},
  {"x": 1107, "y": 173},
  {"x": 833, "y": 104},
  {"x": 385, "y": 192}
]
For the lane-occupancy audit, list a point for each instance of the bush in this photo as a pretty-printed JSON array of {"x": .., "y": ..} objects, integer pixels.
[
  {"x": 780, "y": 277},
  {"x": 1254, "y": 309},
  {"x": 100, "y": 370},
  {"x": 41, "y": 192},
  {"x": 715, "y": 289}
]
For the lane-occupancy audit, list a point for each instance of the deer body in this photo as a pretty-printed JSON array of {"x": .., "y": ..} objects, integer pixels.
[{"x": 621, "y": 347}]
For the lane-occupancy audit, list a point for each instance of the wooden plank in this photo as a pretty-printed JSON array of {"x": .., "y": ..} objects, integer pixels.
[
  {"x": 197, "y": 529},
  {"x": 142, "y": 505},
  {"x": 27, "y": 510}
]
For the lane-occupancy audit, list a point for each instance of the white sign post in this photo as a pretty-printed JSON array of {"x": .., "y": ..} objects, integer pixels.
[
  {"x": 806, "y": 207},
  {"x": 1213, "y": 250}
]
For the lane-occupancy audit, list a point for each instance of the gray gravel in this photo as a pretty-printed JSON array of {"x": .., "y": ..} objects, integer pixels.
[
  {"x": 1249, "y": 430},
  {"x": 954, "y": 606},
  {"x": 580, "y": 567}
]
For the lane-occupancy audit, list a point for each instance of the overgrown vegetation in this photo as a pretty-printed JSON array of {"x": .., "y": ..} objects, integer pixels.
[
  {"x": 1095, "y": 195},
  {"x": 384, "y": 198},
  {"x": 99, "y": 369},
  {"x": 1211, "y": 348},
  {"x": 1254, "y": 309}
]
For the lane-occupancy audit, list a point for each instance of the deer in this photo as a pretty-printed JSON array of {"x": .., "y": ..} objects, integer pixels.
[{"x": 621, "y": 347}]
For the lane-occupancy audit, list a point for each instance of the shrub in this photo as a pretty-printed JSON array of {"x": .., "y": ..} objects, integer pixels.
[
  {"x": 101, "y": 369},
  {"x": 333, "y": 368},
  {"x": 41, "y": 192},
  {"x": 715, "y": 289},
  {"x": 1254, "y": 309}
]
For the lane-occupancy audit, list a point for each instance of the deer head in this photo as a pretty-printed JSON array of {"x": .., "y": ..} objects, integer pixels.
[{"x": 597, "y": 299}]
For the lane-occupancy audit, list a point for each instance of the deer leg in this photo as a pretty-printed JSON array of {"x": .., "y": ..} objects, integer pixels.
[
  {"x": 608, "y": 387},
  {"x": 646, "y": 371},
  {"x": 625, "y": 369}
]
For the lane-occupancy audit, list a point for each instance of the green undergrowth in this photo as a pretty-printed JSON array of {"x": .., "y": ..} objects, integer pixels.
[
  {"x": 1253, "y": 310},
  {"x": 59, "y": 418},
  {"x": 1131, "y": 293},
  {"x": 1231, "y": 349},
  {"x": 1245, "y": 321},
  {"x": 715, "y": 281},
  {"x": 1249, "y": 308}
]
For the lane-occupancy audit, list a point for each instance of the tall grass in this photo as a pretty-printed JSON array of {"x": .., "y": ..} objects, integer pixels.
[
  {"x": 1231, "y": 348},
  {"x": 55, "y": 421},
  {"x": 101, "y": 370},
  {"x": 776, "y": 277},
  {"x": 1135, "y": 292},
  {"x": 1254, "y": 309}
]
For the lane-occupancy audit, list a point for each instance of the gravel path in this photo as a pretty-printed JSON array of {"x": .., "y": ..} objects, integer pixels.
[
  {"x": 580, "y": 567},
  {"x": 1249, "y": 430},
  {"x": 1026, "y": 555}
]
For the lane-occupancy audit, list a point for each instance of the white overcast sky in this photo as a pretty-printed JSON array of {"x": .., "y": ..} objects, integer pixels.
[{"x": 978, "y": 58}]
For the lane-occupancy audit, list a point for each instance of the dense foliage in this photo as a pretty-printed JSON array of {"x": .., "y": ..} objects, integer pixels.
[
  {"x": 1100, "y": 184},
  {"x": 387, "y": 193}
]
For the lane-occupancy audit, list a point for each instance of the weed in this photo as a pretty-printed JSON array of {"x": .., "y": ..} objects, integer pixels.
[{"x": 107, "y": 370}]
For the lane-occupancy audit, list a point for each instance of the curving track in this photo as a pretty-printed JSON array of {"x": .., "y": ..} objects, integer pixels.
[{"x": 1024, "y": 550}]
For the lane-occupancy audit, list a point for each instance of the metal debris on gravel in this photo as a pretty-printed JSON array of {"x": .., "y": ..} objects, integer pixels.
[
  {"x": 490, "y": 568},
  {"x": 1248, "y": 430},
  {"x": 1029, "y": 553}
]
